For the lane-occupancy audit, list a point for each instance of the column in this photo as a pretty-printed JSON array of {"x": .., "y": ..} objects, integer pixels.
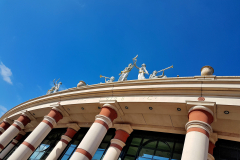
[
  {"x": 13, "y": 130},
  {"x": 38, "y": 134},
  {"x": 5, "y": 124},
  {"x": 96, "y": 133},
  {"x": 198, "y": 130},
  {"x": 12, "y": 144},
  {"x": 62, "y": 144},
  {"x": 118, "y": 142},
  {"x": 212, "y": 140}
]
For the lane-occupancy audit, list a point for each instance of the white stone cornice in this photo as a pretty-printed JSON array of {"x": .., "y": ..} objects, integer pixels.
[
  {"x": 50, "y": 119},
  {"x": 112, "y": 104},
  {"x": 8, "y": 120},
  {"x": 15, "y": 141},
  {"x": 125, "y": 127},
  {"x": 66, "y": 138},
  {"x": 73, "y": 126},
  {"x": 213, "y": 138},
  {"x": 199, "y": 124},
  {"x": 28, "y": 114},
  {"x": 2, "y": 130},
  {"x": 19, "y": 124},
  {"x": 201, "y": 108},
  {"x": 118, "y": 142},
  {"x": 104, "y": 119}
]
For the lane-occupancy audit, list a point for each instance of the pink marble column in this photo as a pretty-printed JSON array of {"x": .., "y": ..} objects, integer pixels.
[
  {"x": 118, "y": 142},
  {"x": 65, "y": 139},
  {"x": 96, "y": 133},
  {"x": 13, "y": 130},
  {"x": 5, "y": 124},
  {"x": 12, "y": 144},
  {"x": 37, "y": 136}
]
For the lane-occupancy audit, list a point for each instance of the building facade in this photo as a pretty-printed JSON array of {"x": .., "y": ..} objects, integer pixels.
[{"x": 182, "y": 118}]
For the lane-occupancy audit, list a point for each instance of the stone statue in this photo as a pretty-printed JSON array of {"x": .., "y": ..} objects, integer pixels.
[
  {"x": 55, "y": 88},
  {"x": 154, "y": 74},
  {"x": 142, "y": 70},
  {"x": 111, "y": 79},
  {"x": 125, "y": 72}
]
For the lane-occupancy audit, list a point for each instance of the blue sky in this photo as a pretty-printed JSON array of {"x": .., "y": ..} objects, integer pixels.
[{"x": 75, "y": 40}]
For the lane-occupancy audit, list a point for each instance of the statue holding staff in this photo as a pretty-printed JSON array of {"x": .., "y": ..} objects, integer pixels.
[
  {"x": 55, "y": 88},
  {"x": 125, "y": 72},
  {"x": 142, "y": 70},
  {"x": 111, "y": 79},
  {"x": 154, "y": 74}
]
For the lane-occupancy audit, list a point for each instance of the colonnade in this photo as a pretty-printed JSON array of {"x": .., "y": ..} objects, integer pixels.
[{"x": 198, "y": 145}]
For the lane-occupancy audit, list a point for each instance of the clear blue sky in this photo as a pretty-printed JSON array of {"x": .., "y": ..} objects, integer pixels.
[{"x": 41, "y": 40}]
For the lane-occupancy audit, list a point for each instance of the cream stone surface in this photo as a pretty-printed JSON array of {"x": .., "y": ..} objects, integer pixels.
[
  {"x": 125, "y": 127},
  {"x": 21, "y": 154},
  {"x": 57, "y": 150},
  {"x": 165, "y": 96},
  {"x": 74, "y": 126},
  {"x": 6, "y": 150},
  {"x": 78, "y": 156},
  {"x": 112, "y": 153},
  {"x": 210, "y": 157}
]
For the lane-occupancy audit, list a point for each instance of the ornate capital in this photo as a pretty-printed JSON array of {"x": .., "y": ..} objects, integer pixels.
[
  {"x": 28, "y": 114},
  {"x": 199, "y": 124},
  {"x": 19, "y": 124},
  {"x": 213, "y": 138},
  {"x": 210, "y": 157},
  {"x": 73, "y": 126},
  {"x": 15, "y": 141},
  {"x": 117, "y": 141},
  {"x": 8, "y": 120},
  {"x": 201, "y": 108},
  {"x": 125, "y": 127},
  {"x": 22, "y": 132},
  {"x": 104, "y": 119},
  {"x": 66, "y": 138},
  {"x": 2, "y": 130},
  {"x": 50, "y": 119},
  {"x": 112, "y": 104}
]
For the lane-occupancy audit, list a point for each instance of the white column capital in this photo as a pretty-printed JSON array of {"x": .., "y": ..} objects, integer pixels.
[
  {"x": 60, "y": 109},
  {"x": 2, "y": 130},
  {"x": 200, "y": 108},
  {"x": 104, "y": 119},
  {"x": 125, "y": 127},
  {"x": 112, "y": 104},
  {"x": 118, "y": 142},
  {"x": 22, "y": 132},
  {"x": 19, "y": 124},
  {"x": 50, "y": 119},
  {"x": 15, "y": 141},
  {"x": 73, "y": 126},
  {"x": 198, "y": 124},
  {"x": 8, "y": 120},
  {"x": 213, "y": 138},
  {"x": 28, "y": 114},
  {"x": 66, "y": 138}
]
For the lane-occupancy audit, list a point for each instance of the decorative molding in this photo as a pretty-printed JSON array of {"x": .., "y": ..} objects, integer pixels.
[
  {"x": 112, "y": 104},
  {"x": 50, "y": 119},
  {"x": 199, "y": 124},
  {"x": 60, "y": 109},
  {"x": 73, "y": 126},
  {"x": 210, "y": 157},
  {"x": 213, "y": 137},
  {"x": 8, "y": 120},
  {"x": 125, "y": 127},
  {"x": 66, "y": 138},
  {"x": 22, "y": 132},
  {"x": 117, "y": 141},
  {"x": 18, "y": 123},
  {"x": 104, "y": 119},
  {"x": 15, "y": 141},
  {"x": 2, "y": 130},
  {"x": 201, "y": 108},
  {"x": 28, "y": 114},
  {"x": 210, "y": 105}
]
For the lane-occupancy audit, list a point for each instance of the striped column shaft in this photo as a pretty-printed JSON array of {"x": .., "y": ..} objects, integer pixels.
[
  {"x": 12, "y": 144},
  {"x": 62, "y": 144},
  {"x": 37, "y": 136},
  {"x": 95, "y": 134},
  {"x": 198, "y": 131},
  {"x": 5, "y": 125},
  {"x": 118, "y": 142},
  {"x": 13, "y": 130}
]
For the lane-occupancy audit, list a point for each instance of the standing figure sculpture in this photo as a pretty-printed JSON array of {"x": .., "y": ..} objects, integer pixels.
[
  {"x": 111, "y": 79},
  {"x": 154, "y": 74},
  {"x": 142, "y": 70},
  {"x": 55, "y": 88},
  {"x": 125, "y": 72}
]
